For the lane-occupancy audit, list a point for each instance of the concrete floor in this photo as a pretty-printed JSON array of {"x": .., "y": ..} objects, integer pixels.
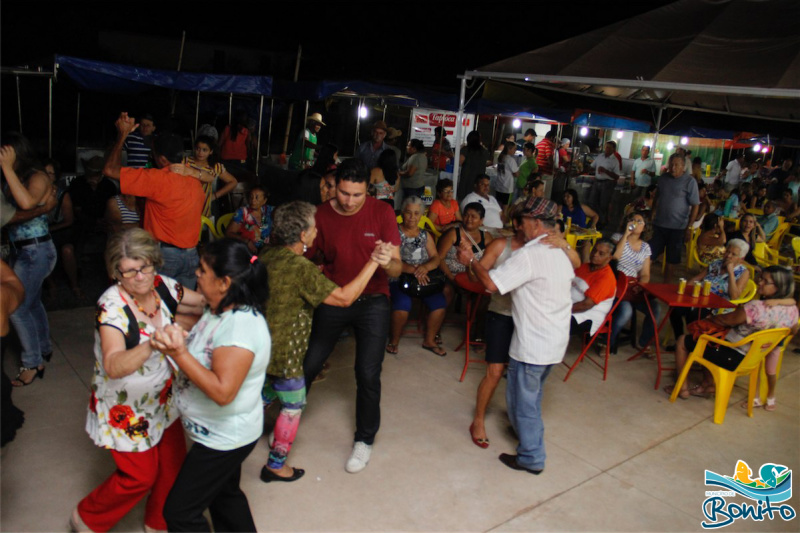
[{"x": 620, "y": 456}]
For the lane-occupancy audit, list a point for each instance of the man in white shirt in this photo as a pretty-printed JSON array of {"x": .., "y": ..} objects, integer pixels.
[
  {"x": 538, "y": 278},
  {"x": 733, "y": 172},
  {"x": 644, "y": 169},
  {"x": 607, "y": 170},
  {"x": 494, "y": 213}
]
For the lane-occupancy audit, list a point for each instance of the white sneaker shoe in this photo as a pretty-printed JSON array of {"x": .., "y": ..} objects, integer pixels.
[{"x": 359, "y": 457}]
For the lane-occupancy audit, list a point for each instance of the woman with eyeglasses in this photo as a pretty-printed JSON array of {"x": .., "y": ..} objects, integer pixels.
[{"x": 131, "y": 411}]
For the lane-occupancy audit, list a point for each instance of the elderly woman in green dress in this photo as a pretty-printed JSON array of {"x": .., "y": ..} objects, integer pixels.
[{"x": 290, "y": 308}]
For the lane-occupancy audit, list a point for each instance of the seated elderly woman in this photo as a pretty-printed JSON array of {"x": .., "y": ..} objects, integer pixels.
[
  {"x": 132, "y": 411},
  {"x": 774, "y": 309},
  {"x": 593, "y": 289},
  {"x": 420, "y": 258},
  {"x": 719, "y": 273},
  {"x": 444, "y": 211},
  {"x": 449, "y": 243}
]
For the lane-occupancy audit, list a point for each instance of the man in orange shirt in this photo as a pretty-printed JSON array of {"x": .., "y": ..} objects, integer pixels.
[{"x": 175, "y": 199}]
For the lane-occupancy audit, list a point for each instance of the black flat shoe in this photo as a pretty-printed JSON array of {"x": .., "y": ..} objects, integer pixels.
[
  {"x": 19, "y": 382},
  {"x": 47, "y": 356},
  {"x": 268, "y": 475},
  {"x": 511, "y": 462}
]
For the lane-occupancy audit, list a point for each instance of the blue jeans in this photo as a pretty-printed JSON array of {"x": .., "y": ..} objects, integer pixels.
[
  {"x": 369, "y": 317},
  {"x": 524, "y": 402},
  {"x": 624, "y": 313},
  {"x": 32, "y": 264},
  {"x": 180, "y": 264}
]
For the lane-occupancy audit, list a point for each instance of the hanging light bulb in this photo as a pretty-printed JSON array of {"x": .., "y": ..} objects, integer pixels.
[
  {"x": 684, "y": 140},
  {"x": 670, "y": 145},
  {"x": 362, "y": 111},
  {"x": 584, "y": 131},
  {"x": 619, "y": 135},
  {"x": 757, "y": 147},
  {"x": 648, "y": 142},
  {"x": 765, "y": 150},
  {"x": 517, "y": 123}
]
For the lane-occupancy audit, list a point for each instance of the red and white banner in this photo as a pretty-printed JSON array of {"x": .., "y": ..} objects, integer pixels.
[{"x": 426, "y": 120}]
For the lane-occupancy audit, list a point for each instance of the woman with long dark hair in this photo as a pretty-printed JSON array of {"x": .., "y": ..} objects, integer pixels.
[
  {"x": 233, "y": 143},
  {"x": 204, "y": 159},
  {"x": 33, "y": 255},
  {"x": 221, "y": 366}
]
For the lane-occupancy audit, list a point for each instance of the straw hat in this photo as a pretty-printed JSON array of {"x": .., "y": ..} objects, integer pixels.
[{"x": 316, "y": 117}]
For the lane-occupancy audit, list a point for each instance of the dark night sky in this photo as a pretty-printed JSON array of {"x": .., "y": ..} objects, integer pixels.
[{"x": 386, "y": 41}]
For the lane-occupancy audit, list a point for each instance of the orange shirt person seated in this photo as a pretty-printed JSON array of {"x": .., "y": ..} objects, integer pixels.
[
  {"x": 444, "y": 211},
  {"x": 593, "y": 289}
]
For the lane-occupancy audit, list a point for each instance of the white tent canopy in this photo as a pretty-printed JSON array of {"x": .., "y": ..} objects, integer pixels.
[{"x": 732, "y": 57}]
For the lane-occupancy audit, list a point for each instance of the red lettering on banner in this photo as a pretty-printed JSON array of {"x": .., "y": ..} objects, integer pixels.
[
  {"x": 420, "y": 119},
  {"x": 440, "y": 119}
]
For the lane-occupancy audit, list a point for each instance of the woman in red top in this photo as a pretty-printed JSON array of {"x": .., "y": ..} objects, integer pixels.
[
  {"x": 233, "y": 142},
  {"x": 444, "y": 211}
]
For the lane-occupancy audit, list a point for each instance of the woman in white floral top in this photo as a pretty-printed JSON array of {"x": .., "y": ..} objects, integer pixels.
[{"x": 131, "y": 411}]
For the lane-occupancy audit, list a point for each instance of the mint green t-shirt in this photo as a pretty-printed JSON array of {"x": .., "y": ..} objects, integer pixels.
[{"x": 226, "y": 427}]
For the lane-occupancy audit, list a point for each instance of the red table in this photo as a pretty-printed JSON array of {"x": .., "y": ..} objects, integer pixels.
[{"x": 668, "y": 293}]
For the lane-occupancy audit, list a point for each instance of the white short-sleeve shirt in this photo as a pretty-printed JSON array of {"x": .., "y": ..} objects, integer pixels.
[{"x": 538, "y": 278}]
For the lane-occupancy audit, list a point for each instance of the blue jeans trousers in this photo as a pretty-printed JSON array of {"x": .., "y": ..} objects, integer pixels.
[
  {"x": 32, "y": 264},
  {"x": 524, "y": 402},
  {"x": 369, "y": 318},
  {"x": 180, "y": 264}
]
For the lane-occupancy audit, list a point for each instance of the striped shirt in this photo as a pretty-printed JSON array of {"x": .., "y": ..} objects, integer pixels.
[
  {"x": 544, "y": 157},
  {"x": 538, "y": 278},
  {"x": 129, "y": 216},
  {"x": 138, "y": 152},
  {"x": 632, "y": 261}
]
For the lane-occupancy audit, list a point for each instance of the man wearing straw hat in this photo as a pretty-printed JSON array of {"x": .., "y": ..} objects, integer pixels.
[{"x": 303, "y": 153}]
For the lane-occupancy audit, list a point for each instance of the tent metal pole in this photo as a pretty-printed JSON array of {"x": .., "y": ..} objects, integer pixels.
[
  {"x": 459, "y": 135},
  {"x": 260, "y": 119},
  {"x": 269, "y": 129},
  {"x": 658, "y": 128},
  {"x": 410, "y": 126},
  {"x": 494, "y": 136},
  {"x": 360, "y": 102},
  {"x": 50, "y": 117},
  {"x": 19, "y": 106},
  {"x": 230, "y": 109},
  {"x": 197, "y": 115}
]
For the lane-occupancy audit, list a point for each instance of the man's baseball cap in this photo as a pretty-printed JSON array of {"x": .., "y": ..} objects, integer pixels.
[{"x": 540, "y": 208}]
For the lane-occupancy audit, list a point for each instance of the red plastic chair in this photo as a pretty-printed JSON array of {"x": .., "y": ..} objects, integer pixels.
[
  {"x": 605, "y": 327},
  {"x": 476, "y": 293}
]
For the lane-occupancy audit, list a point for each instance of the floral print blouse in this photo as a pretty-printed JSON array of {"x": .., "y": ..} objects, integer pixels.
[{"x": 131, "y": 413}]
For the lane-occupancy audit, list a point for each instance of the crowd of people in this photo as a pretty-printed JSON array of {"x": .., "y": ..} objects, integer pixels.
[{"x": 199, "y": 340}]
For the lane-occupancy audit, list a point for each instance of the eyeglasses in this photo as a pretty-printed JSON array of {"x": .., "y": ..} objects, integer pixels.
[{"x": 145, "y": 270}]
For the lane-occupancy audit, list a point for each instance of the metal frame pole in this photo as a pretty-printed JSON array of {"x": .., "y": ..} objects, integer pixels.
[
  {"x": 230, "y": 109},
  {"x": 269, "y": 130},
  {"x": 197, "y": 115},
  {"x": 258, "y": 148},
  {"x": 50, "y": 119},
  {"x": 459, "y": 135},
  {"x": 78, "y": 124},
  {"x": 358, "y": 123}
]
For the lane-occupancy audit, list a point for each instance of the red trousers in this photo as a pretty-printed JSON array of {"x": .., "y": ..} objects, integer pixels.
[{"x": 138, "y": 473}]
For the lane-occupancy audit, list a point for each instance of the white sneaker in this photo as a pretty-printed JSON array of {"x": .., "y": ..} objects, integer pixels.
[{"x": 359, "y": 458}]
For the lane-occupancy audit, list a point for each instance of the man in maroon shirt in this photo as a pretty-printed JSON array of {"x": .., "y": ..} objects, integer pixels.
[{"x": 349, "y": 227}]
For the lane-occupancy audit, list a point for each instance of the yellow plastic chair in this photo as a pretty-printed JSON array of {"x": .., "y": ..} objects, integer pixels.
[
  {"x": 691, "y": 254},
  {"x": 775, "y": 241},
  {"x": 207, "y": 223},
  {"x": 748, "y": 294},
  {"x": 755, "y": 211},
  {"x": 761, "y": 343},
  {"x": 222, "y": 224},
  {"x": 796, "y": 248},
  {"x": 424, "y": 223}
]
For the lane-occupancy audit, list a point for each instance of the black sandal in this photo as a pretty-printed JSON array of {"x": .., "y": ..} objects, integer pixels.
[{"x": 37, "y": 373}]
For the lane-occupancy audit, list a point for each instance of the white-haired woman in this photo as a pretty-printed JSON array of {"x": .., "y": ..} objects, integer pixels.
[{"x": 728, "y": 277}]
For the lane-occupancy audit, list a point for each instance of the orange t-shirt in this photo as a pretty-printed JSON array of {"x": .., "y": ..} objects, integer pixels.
[
  {"x": 602, "y": 283},
  {"x": 444, "y": 215},
  {"x": 174, "y": 203}
]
